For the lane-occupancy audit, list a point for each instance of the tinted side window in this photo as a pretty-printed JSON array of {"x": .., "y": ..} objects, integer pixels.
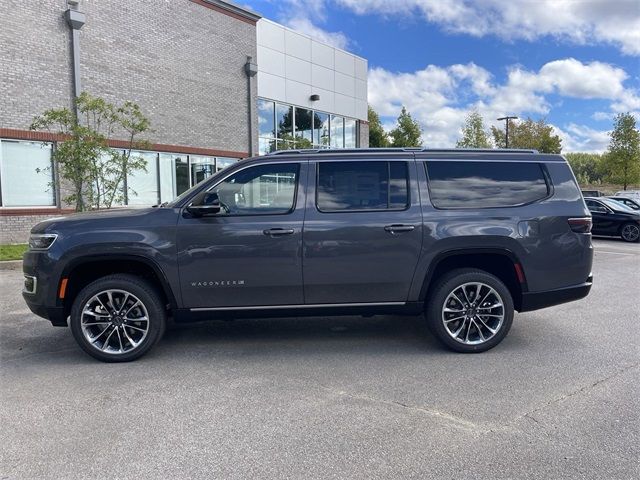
[
  {"x": 595, "y": 207},
  {"x": 259, "y": 190},
  {"x": 362, "y": 185},
  {"x": 485, "y": 184}
]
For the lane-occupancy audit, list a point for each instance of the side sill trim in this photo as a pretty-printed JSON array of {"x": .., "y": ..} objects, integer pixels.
[{"x": 279, "y": 307}]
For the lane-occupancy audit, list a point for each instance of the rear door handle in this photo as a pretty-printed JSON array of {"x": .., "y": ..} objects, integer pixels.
[
  {"x": 399, "y": 228},
  {"x": 275, "y": 232}
]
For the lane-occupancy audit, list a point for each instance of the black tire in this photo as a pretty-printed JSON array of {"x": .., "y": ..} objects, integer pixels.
[
  {"x": 632, "y": 232},
  {"x": 148, "y": 297},
  {"x": 447, "y": 284}
]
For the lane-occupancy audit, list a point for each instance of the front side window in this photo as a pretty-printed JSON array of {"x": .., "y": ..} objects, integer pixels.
[
  {"x": 459, "y": 184},
  {"x": 259, "y": 190},
  {"x": 344, "y": 186}
]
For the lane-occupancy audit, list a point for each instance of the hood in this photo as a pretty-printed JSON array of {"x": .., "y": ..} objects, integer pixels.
[{"x": 99, "y": 219}]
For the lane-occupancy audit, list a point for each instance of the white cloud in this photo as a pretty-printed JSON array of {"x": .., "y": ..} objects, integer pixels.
[
  {"x": 579, "y": 138},
  {"x": 304, "y": 25},
  {"x": 440, "y": 97},
  {"x": 614, "y": 22}
]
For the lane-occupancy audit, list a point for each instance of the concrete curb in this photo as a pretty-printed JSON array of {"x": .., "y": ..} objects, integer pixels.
[{"x": 11, "y": 265}]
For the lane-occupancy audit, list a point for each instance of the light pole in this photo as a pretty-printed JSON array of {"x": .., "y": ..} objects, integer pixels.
[{"x": 507, "y": 118}]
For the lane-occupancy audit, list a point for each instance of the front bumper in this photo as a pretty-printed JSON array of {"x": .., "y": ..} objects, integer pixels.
[
  {"x": 40, "y": 295},
  {"x": 548, "y": 298},
  {"x": 54, "y": 314}
]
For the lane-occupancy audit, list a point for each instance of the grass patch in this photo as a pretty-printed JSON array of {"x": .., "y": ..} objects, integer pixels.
[{"x": 12, "y": 252}]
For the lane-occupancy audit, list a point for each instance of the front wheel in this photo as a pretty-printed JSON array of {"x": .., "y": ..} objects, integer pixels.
[
  {"x": 630, "y": 232},
  {"x": 118, "y": 318},
  {"x": 470, "y": 310}
]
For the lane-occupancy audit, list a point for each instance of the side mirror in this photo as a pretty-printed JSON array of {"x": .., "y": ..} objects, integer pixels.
[{"x": 205, "y": 204}]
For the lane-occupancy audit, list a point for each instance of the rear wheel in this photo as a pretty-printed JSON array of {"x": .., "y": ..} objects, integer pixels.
[
  {"x": 118, "y": 318},
  {"x": 630, "y": 232},
  {"x": 470, "y": 310}
]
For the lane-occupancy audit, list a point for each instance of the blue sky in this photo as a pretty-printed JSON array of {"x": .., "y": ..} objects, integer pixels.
[{"x": 574, "y": 62}]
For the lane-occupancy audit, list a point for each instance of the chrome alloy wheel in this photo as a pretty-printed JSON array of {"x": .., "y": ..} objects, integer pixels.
[
  {"x": 114, "y": 321},
  {"x": 473, "y": 313},
  {"x": 630, "y": 232}
]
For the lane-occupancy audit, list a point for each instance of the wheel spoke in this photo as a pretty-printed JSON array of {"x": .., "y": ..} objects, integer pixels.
[
  {"x": 489, "y": 315},
  {"x": 94, "y": 314},
  {"x": 134, "y": 328},
  {"x": 135, "y": 304},
  {"x": 131, "y": 341},
  {"x": 119, "y": 339},
  {"x": 479, "y": 330},
  {"x": 493, "y": 332},
  {"x": 95, "y": 339},
  {"x": 453, "y": 310},
  {"x": 457, "y": 332},
  {"x": 95, "y": 323},
  {"x": 490, "y": 307},
  {"x": 458, "y": 299},
  {"x": 449, "y": 320},
  {"x": 105, "y": 345},
  {"x": 124, "y": 302}
]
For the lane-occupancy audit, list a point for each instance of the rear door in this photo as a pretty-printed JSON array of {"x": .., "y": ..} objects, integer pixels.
[
  {"x": 250, "y": 253},
  {"x": 363, "y": 230}
]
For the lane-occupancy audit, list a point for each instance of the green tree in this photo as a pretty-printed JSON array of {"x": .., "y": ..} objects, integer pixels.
[
  {"x": 377, "y": 136},
  {"x": 407, "y": 132},
  {"x": 529, "y": 134},
  {"x": 474, "y": 134},
  {"x": 587, "y": 167},
  {"x": 96, "y": 172},
  {"x": 622, "y": 162}
]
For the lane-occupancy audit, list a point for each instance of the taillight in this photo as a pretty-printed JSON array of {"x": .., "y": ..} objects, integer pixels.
[{"x": 580, "y": 225}]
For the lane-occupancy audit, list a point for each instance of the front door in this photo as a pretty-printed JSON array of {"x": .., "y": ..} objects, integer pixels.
[
  {"x": 249, "y": 254},
  {"x": 363, "y": 231}
]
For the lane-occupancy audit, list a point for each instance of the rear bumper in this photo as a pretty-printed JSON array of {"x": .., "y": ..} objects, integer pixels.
[{"x": 537, "y": 300}]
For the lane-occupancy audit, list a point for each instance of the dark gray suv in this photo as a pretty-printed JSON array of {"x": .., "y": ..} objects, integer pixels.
[{"x": 465, "y": 236}]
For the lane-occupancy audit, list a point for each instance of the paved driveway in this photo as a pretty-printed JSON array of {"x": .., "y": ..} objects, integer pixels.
[{"x": 334, "y": 398}]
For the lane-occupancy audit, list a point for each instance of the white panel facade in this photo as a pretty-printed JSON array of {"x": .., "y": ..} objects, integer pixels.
[{"x": 292, "y": 67}]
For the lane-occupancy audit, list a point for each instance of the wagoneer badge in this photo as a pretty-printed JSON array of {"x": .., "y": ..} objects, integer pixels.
[{"x": 218, "y": 283}]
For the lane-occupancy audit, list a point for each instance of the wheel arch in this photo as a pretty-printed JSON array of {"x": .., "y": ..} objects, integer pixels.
[
  {"x": 83, "y": 270},
  {"x": 501, "y": 262}
]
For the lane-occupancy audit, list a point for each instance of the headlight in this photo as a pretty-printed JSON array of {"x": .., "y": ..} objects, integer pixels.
[{"x": 42, "y": 241}]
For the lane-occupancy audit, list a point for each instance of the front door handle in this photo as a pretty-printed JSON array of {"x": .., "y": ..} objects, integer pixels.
[
  {"x": 393, "y": 229},
  {"x": 274, "y": 232}
]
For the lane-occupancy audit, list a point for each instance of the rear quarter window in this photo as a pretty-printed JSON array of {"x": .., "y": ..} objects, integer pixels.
[{"x": 462, "y": 184}]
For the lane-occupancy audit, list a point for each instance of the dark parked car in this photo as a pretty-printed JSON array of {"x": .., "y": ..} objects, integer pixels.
[
  {"x": 632, "y": 204},
  {"x": 614, "y": 219},
  {"x": 467, "y": 237}
]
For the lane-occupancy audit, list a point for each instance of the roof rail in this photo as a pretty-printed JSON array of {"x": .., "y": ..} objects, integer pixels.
[{"x": 314, "y": 151}]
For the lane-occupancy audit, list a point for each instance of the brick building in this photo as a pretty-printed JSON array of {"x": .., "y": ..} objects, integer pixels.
[{"x": 217, "y": 82}]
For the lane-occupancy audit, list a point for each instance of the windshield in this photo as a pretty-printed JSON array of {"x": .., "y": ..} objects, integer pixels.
[{"x": 615, "y": 205}]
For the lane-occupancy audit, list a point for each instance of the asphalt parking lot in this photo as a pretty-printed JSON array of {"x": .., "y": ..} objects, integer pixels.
[{"x": 343, "y": 397}]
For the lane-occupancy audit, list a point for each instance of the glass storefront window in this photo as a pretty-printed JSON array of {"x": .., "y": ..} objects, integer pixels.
[
  {"x": 350, "y": 132},
  {"x": 304, "y": 128},
  {"x": 174, "y": 176},
  {"x": 143, "y": 186},
  {"x": 266, "y": 145},
  {"x": 26, "y": 174},
  {"x": 201, "y": 168},
  {"x": 337, "y": 131},
  {"x": 321, "y": 129},
  {"x": 284, "y": 121},
  {"x": 223, "y": 162},
  {"x": 266, "y": 119}
]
